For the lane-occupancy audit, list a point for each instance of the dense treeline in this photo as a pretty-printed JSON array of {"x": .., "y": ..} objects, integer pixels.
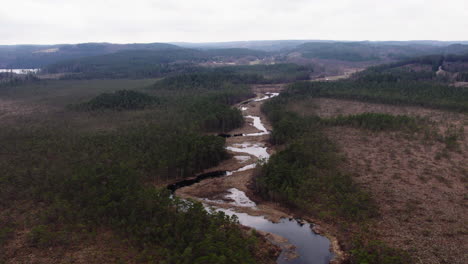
[
  {"x": 128, "y": 71},
  {"x": 307, "y": 173},
  {"x": 206, "y": 80},
  {"x": 433, "y": 60},
  {"x": 274, "y": 73},
  {"x": 220, "y": 90},
  {"x": 160, "y": 151},
  {"x": 462, "y": 77},
  {"x": 396, "y": 75},
  {"x": 413, "y": 69},
  {"x": 119, "y": 100},
  {"x": 84, "y": 180},
  {"x": 216, "y": 115},
  {"x": 406, "y": 93},
  {"x": 9, "y": 79},
  {"x": 456, "y": 58},
  {"x": 251, "y": 74}
]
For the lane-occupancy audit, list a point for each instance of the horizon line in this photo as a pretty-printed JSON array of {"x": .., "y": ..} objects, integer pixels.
[{"x": 230, "y": 41}]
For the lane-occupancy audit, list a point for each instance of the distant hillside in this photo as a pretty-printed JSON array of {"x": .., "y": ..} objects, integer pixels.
[
  {"x": 373, "y": 51},
  {"x": 296, "y": 51},
  {"x": 265, "y": 45},
  {"x": 352, "y": 51},
  {"x": 444, "y": 68},
  {"x": 234, "y": 52},
  {"x": 146, "y": 63},
  {"x": 36, "y": 56},
  {"x": 283, "y": 45}
]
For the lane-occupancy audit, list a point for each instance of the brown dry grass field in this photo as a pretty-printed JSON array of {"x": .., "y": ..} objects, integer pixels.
[{"x": 419, "y": 185}]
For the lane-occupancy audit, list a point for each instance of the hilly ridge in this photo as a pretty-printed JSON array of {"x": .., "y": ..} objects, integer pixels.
[{"x": 36, "y": 56}]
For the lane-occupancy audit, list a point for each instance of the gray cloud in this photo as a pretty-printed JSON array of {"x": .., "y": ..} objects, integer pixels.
[{"x": 123, "y": 21}]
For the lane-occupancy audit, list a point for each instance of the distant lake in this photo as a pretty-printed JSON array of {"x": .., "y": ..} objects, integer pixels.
[{"x": 20, "y": 71}]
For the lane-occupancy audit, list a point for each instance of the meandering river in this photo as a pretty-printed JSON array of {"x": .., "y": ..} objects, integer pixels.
[{"x": 300, "y": 245}]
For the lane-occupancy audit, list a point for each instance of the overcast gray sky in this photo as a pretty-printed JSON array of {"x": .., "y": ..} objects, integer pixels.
[{"x": 128, "y": 21}]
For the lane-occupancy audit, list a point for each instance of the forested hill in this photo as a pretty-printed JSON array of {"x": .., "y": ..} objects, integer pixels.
[
  {"x": 147, "y": 63},
  {"x": 443, "y": 68},
  {"x": 373, "y": 51},
  {"x": 134, "y": 63},
  {"x": 37, "y": 56}
]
